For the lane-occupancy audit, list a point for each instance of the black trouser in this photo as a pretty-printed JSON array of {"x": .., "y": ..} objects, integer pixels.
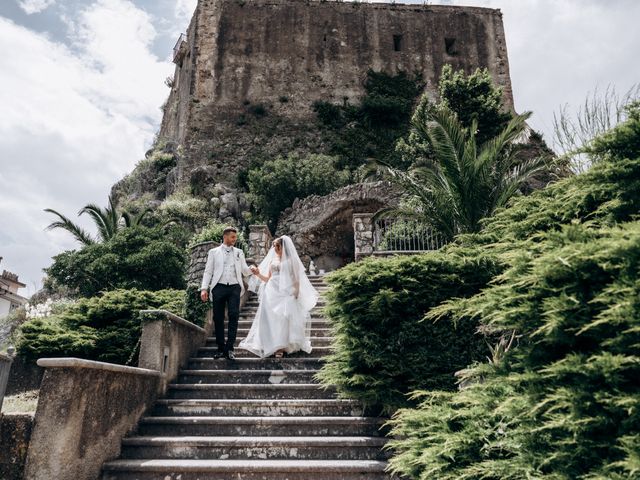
[{"x": 229, "y": 296}]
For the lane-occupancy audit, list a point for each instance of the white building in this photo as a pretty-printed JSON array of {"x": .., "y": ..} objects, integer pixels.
[{"x": 9, "y": 297}]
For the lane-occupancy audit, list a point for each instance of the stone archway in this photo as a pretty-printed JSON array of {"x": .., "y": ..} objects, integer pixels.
[{"x": 322, "y": 227}]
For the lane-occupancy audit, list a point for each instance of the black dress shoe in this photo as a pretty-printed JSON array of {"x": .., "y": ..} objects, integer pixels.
[
  {"x": 230, "y": 355},
  {"x": 218, "y": 355}
]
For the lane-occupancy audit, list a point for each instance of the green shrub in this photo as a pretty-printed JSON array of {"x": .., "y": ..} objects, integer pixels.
[
  {"x": 562, "y": 401},
  {"x": 136, "y": 257},
  {"x": 195, "y": 310},
  {"x": 413, "y": 287},
  {"x": 565, "y": 402},
  {"x": 212, "y": 232},
  {"x": 275, "y": 184},
  {"x": 383, "y": 350},
  {"x": 189, "y": 211},
  {"x": 471, "y": 97},
  {"x": 105, "y": 328},
  {"x": 370, "y": 129}
]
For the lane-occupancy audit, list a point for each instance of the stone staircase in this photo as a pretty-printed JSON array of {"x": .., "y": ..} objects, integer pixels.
[{"x": 254, "y": 419}]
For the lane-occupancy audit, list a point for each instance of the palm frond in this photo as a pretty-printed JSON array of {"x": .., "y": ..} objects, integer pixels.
[
  {"x": 99, "y": 218},
  {"x": 65, "y": 223}
]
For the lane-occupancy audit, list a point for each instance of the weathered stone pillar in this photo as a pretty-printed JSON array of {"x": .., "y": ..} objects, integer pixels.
[
  {"x": 259, "y": 242},
  {"x": 5, "y": 366},
  {"x": 363, "y": 234},
  {"x": 198, "y": 261}
]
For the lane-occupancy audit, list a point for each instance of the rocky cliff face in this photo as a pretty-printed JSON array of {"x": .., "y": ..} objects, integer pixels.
[{"x": 249, "y": 71}]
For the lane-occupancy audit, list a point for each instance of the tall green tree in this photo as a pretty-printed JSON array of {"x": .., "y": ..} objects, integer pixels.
[
  {"x": 108, "y": 221},
  {"x": 462, "y": 181},
  {"x": 276, "y": 183},
  {"x": 471, "y": 97}
]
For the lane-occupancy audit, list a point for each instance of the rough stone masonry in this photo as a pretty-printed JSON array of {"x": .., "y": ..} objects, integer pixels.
[{"x": 270, "y": 60}]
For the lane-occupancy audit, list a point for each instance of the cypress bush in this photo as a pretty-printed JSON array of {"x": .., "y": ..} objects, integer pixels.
[
  {"x": 105, "y": 328},
  {"x": 560, "y": 398},
  {"x": 564, "y": 403},
  {"x": 382, "y": 348},
  {"x": 385, "y": 348}
]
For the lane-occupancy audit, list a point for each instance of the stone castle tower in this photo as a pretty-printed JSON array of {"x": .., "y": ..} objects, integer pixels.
[{"x": 248, "y": 71}]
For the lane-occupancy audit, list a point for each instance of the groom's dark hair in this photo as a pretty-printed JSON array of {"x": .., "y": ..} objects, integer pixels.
[{"x": 229, "y": 230}]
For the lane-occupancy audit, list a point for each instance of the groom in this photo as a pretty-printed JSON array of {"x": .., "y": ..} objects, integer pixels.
[{"x": 222, "y": 280}]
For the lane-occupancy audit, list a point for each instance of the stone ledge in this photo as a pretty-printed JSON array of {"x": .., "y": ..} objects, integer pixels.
[
  {"x": 152, "y": 315},
  {"x": 71, "y": 362}
]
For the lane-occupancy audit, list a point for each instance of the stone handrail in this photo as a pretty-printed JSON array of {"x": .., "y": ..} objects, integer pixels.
[
  {"x": 5, "y": 366},
  {"x": 167, "y": 342},
  {"x": 85, "y": 407}
]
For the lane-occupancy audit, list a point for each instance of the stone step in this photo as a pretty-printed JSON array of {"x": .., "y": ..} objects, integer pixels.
[
  {"x": 265, "y": 407},
  {"x": 250, "y": 313},
  {"x": 247, "y": 376},
  {"x": 315, "y": 341},
  {"x": 315, "y": 332},
  {"x": 288, "y": 363},
  {"x": 246, "y": 322},
  {"x": 253, "y": 302},
  {"x": 155, "y": 469},
  {"x": 315, "y": 352},
  {"x": 260, "y": 426},
  {"x": 249, "y": 390},
  {"x": 243, "y": 447}
]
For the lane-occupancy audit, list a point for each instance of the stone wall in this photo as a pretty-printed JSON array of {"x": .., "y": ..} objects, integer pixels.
[
  {"x": 198, "y": 261},
  {"x": 23, "y": 376},
  {"x": 253, "y": 69},
  {"x": 84, "y": 410},
  {"x": 15, "y": 433},
  {"x": 322, "y": 226}
]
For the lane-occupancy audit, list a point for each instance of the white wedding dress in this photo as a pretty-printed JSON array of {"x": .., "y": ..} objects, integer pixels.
[{"x": 282, "y": 322}]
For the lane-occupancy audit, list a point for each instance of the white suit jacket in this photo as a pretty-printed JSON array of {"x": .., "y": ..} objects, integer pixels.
[{"x": 215, "y": 266}]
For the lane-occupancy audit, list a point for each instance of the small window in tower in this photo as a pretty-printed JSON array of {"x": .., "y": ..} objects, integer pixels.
[
  {"x": 450, "y": 46},
  {"x": 397, "y": 43}
]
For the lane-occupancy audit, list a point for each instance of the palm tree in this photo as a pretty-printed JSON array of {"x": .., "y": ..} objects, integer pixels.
[
  {"x": 462, "y": 182},
  {"x": 108, "y": 221}
]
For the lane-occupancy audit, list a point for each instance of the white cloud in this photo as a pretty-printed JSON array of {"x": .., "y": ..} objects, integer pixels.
[
  {"x": 35, "y": 6},
  {"x": 73, "y": 123},
  {"x": 560, "y": 50},
  {"x": 184, "y": 9}
]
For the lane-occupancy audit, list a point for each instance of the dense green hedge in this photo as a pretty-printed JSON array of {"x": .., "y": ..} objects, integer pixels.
[
  {"x": 563, "y": 401},
  {"x": 136, "y": 257},
  {"x": 383, "y": 350},
  {"x": 105, "y": 327}
]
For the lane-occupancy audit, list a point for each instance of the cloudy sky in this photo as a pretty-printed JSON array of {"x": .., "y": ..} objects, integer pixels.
[{"x": 81, "y": 83}]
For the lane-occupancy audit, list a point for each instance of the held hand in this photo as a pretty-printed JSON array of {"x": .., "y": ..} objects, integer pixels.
[
  {"x": 255, "y": 270},
  {"x": 204, "y": 295}
]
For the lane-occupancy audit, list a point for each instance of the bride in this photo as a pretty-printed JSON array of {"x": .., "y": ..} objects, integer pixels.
[{"x": 286, "y": 297}]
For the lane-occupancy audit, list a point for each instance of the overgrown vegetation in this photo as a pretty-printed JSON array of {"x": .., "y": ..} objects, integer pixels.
[
  {"x": 275, "y": 184},
  {"x": 561, "y": 401},
  {"x": 473, "y": 98},
  {"x": 105, "y": 327},
  {"x": 137, "y": 257},
  {"x": 212, "y": 232},
  {"x": 382, "y": 350},
  {"x": 462, "y": 181},
  {"x": 370, "y": 130},
  {"x": 374, "y": 353}
]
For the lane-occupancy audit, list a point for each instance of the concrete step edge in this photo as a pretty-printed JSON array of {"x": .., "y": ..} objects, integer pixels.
[
  {"x": 262, "y": 420},
  {"x": 256, "y": 441},
  {"x": 234, "y": 466}
]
